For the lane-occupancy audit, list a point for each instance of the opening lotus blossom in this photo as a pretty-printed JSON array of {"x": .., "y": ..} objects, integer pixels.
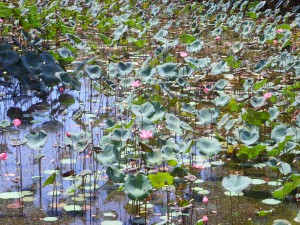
[
  {"x": 146, "y": 134},
  {"x": 3, "y": 156},
  {"x": 17, "y": 122},
  {"x": 206, "y": 90},
  {"x": 136, "y": 84},
  {"x": 267, "y": 95},
  {"x": 279, "y": 31},
  {"x": 183, "y": 54}
]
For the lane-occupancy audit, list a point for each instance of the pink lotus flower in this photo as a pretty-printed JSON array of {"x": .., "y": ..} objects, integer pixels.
[
  {"x": 217, "y": 38},
  {"x": 206, "y": 90},
  {"x": 1, "y": 20},
  {"x": 136, "y": 84},
  {"x": 275, "y": 42},
  {"x": 279, "y": 31},
  {"x": 205, "y": 219},
  {"x": 3, "y": 156},
  {"x": 183, "y": 54},
  {"x": 146, "y": 134},
  {"x": 267, "y": 95},
  {"x": 61, "y": 89},
  {"x": 17, "y": 122},
  {"x": 205, "y": 200},
  {"x": 68, "y": 134},
  {"x": 196, "y": 167}
]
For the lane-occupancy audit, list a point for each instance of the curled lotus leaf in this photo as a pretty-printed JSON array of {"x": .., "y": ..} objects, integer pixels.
[{"x": 36, "y": 139}]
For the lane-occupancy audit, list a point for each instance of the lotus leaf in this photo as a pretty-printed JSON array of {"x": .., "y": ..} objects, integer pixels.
[
  {"x": 36, "y": 139},
  {"x": 93, "y": 71},
  {"x": 115, "y": 174},
  {"x": 108, "y": 156},
  {"x": 208, "y": 147},
  {"x": 236, "y": 183},
  {"x": 137, "y": 187}
]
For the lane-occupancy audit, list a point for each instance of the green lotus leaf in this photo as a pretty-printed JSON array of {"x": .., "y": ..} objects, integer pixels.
[
  {"x": 221, "y": 84},
  {"x": 154, "y": 158},
  {"x": 207, "y": 115},
  {"x": 200, "y": 64},
  {"x": 72, "y": 208},
  {"x": 222, "y": 100},
  {"x": 146, "y": 72},
  {"x": 169, "y": 152},
  {"x": 271, "y": 201},
  {"x": 65, "y": 52},
  {"x": 126, "y": 82},
  {"x": 220, "y": 67},
  {"x": 36, "y": 139},
  {"x": 281, "y": 221},
  {"x": 119, "y": 31},
  {"x": 111, "y": 222},
  {"x": 125, "y": 68},
  {"x": 93, "y": 71},
  {"x": 236, "y": 183},
  {"x": 279, "y": 133},
  {"x": 187, "y": 38},
  {"x": 137, "y": 187},
  {"x": 107, "y": 156},
  {"x": 236, "y": 47},
  {"x": 261, "y": 64},
  {"x": 50, "y": 219},
  {"x": 47, "y": 58},
  {"x": 195, "y": 46},
  {"x": 120, "y": 134},
  {"x": 160, "y": 180},
  {"x": 284, "y": 168},
  {"x": 274, "y": 113},
  {"x": 78, "y": 141},
  {"x": 4, "y": 124},
  {"x": 208, "y": 147},
  {"x": 255, "y": 118},
  {"x": 247, "y": 136},
  {"x": 115, "y": 174},
  {"x": 160, "y": 35},
  {"x": 257, "y": 101},
  {"x": 186, "y": 71},
  {"x": 297, "y": 218},
  {"x": 31, "y": 60},
  {"x": 167, "y": 70},
  {"x": 48, "y": 74},
  {"x": 9, "y": 58},
  {"x": 144, "y": 110}
]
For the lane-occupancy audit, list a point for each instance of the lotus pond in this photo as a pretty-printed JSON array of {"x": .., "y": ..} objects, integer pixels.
[{"x": 137, "y": 112}]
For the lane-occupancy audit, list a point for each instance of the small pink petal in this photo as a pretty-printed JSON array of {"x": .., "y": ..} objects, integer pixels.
[
  {"x": 217, "y": 38},
  {"x": 17, "y": 122},
  {"x": 206, "y": 90}
]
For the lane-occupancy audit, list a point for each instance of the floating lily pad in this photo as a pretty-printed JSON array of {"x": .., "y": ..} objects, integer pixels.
[
  {"x": 271, "y": 201},
  {"x": 50, "y": 219},
  {"x": 70, "y": 208}
]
